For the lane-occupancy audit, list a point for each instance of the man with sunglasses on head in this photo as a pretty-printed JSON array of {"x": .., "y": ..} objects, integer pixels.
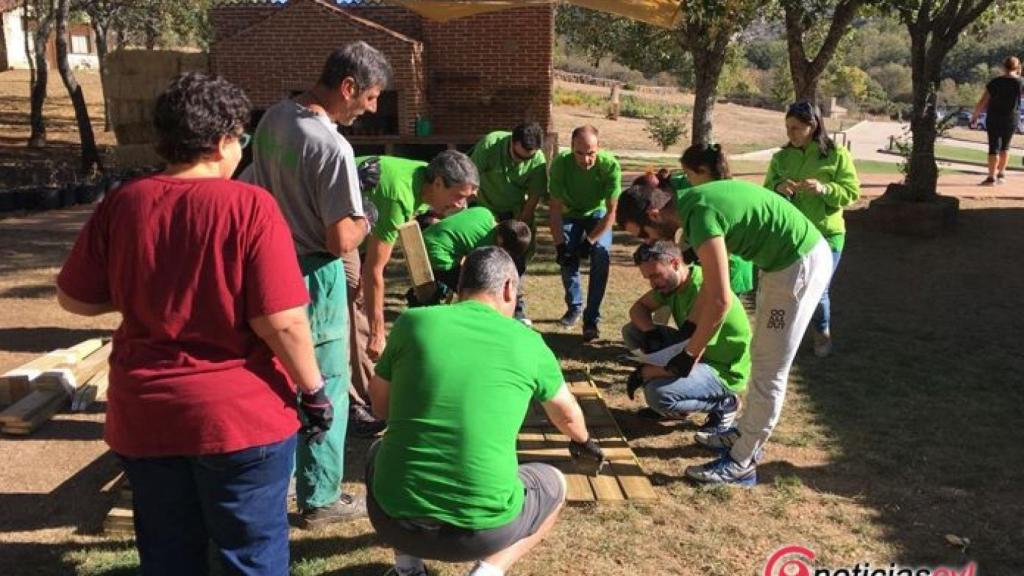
[
  {"x": 715, "y": 383},
  {"x": 302, "y": 159},
  {"x": 513, "y": 178}
]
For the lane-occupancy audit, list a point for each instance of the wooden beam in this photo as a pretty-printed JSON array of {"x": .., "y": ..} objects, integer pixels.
[
  {"x": 16, "y": 384},
  {"x": 416, "y": 260}
]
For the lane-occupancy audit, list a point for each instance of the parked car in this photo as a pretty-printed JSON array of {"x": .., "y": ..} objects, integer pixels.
[{"x": 980, "y": 125}]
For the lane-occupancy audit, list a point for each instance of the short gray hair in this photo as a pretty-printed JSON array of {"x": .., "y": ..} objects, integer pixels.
[
  {"x": 453, "y": 168},
  {"x": 486, "y": 270},
  {"x": 360, "y": 62}
]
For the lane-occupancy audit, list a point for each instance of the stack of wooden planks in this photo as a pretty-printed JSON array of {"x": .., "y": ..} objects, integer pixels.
[
  {"x": 622, "y": 480},
  {"x": 39, "y": 389},
  {"x": 120, "y": 520}
]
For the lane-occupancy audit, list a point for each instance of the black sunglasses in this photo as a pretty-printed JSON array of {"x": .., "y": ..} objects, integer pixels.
[{"x": 651, "y": 252}]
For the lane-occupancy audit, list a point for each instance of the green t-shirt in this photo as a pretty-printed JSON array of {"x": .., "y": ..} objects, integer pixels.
[
  {"x": 756, "y": 223},
  {"x": 397, "y": 195},
  {"x": 504, "y": 183},
  {"x": 728, "y": 351},
  {"x": 583, "y": 192},
  {"x": 835, "y": 170},
  {"x": 451, "y": 239},
  {"x": 741, "y": 272},
  {"x": 462, "y": 377}
]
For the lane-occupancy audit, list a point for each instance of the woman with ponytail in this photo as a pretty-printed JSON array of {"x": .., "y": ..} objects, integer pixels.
[
  {"x": 717, "y": 217},
  {"x": 819, "y": 178}
]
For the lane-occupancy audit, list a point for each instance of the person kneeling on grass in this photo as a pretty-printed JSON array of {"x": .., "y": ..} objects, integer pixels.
[
  {"x": 444, "y": 482},
  {"x": 450, "y": 240},
  {"x": 715, "y": 383}
]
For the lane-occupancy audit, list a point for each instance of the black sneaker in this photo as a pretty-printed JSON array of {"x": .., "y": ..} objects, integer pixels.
[
  {"x": 349, "y": 507},
  {"x": 590, "y": 332},
  {"x": 363, "y": 424},
  {"x": 990, "y": 181}
]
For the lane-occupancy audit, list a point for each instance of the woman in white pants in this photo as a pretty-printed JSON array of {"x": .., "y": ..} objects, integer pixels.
[{"x": 719, "y": 216}]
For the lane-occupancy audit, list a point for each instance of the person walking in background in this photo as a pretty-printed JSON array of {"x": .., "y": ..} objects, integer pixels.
[
  {"x": 1001, "y": 101},
  {"x": 819, "y": 178}
]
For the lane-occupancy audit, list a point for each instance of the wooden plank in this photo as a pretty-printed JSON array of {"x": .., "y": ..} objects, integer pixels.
[
  {"x": 80, "y": 373},
  {"x": 32, "y": 422},
  {"x": 606, "y": 488},
  {"x": 416, "y": 259},
  {"x": 15, "y": 383},
  {"x": 26, "y": 407},
  {"x": 635, "y": 484},
  {"x": 557, "y": 452}
]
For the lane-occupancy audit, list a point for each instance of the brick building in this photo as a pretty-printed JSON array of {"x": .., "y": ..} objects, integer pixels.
[{"x": 465, "y": 76}]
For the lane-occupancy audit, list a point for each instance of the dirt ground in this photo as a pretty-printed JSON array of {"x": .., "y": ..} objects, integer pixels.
[
  {"x": 20, "y": 165},
  {"x": 905, "y": 436}
]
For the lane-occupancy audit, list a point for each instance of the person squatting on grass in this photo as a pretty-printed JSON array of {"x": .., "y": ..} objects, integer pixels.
[
  {"x": 444, "y": 482},
  {"x": 450, "y": 240},
  {"x": 721, "y": 216},
  {"x": 819, "y": 178},
  {"x": 308, "y": 166},
  {"x": 714, "y": 384},
  {"x": 1001, "y": 103},
  {"x": 203, "y": 272}
]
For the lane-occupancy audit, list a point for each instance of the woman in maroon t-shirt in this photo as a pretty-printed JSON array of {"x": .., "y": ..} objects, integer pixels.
[{"x": 214, "y": 338}]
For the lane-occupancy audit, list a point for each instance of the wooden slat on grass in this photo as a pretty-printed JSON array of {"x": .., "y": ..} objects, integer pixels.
[{"x": 539, "y": 441}]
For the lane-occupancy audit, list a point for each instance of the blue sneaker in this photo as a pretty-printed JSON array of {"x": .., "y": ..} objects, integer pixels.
[
  {"x": 725, "y": 470},
  {"x": 571, "y": 317}
]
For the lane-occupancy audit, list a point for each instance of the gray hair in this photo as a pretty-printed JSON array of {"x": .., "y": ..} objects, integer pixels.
[
  {"x": 359, "y": 61},
  {"x": 486, "y": 270},
  {"x": 453, "y": 168}
]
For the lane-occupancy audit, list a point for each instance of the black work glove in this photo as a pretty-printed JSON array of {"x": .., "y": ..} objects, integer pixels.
[
  {"x": 564, "y": 258},
  {"x": 369, "y": 173},
  {"x": 681, "y": 364},
  {"x": 686, "y": 330},
  {"x": 590, "y": 451},
  {"x": 584, "y": 248},
  {"x": 635, "y": 382},
  {"x": 653, "y": 340},
  {"x": 318, "y": 414},
  {"x": 441, "y": 293}
]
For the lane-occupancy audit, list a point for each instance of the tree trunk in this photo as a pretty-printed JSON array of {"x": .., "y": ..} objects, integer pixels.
[
  {"x": 90, "y": 154},
  {"x": 708, "y": 60},
  {"x": 805, "y": 80},
  {"x": 100, "y": 28},
  {"x": 28, "y": 44},
  {"x": 922, "y": 172},
  {"x": 37, "y": 139},
  {"x": 806, "y": 73}
]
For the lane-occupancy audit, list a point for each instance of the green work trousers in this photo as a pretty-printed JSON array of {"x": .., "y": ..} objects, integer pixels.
[{"x": 319, "y": 467}]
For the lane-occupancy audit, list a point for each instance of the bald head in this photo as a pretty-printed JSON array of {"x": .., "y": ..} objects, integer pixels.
[{"x": 585, "y": 146}]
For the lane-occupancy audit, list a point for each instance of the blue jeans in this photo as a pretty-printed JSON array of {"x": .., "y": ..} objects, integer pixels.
[
  {"x": 238, "y": 500},
  {"x": 573, "y": 230},
  {"x": 823, "y": 313},
  {"x": 701, "y": 391}
]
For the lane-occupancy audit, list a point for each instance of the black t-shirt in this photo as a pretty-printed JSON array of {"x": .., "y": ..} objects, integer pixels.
[{"x": 1003, "y": 98}]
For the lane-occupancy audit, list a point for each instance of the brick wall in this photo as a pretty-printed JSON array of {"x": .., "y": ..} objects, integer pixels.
[
  {"x": 285, "y": 52},
  {"x": 490, "y": 71},
  {"x": 469, "y": 75}
]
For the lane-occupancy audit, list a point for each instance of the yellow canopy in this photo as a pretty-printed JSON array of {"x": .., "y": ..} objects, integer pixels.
[{"x": 663, "y": 13}]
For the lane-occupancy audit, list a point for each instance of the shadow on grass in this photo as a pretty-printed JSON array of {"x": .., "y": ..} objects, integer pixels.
[
  {"x": 45, "y": 338},
  {"x": 922, "y": 398}
]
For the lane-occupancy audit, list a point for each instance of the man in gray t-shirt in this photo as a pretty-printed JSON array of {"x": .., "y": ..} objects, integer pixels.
[{"x": 302, "y": 159}]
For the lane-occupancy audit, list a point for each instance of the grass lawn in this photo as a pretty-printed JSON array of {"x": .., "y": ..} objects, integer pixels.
[
  {"x": 960, "y": 154},
  {"x": 905, "y": 435}
]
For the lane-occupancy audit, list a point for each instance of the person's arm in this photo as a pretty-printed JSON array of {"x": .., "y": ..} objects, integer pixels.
[
  {"x": 378, "y": 253},
  {"x": 529, "y": 209},
  {"x": 979, "y": 107},
  {"x": 564, "y": 412},
  {"x": 380, "y": 397},
  {"x": 536, "y": 188},
  {"x": 346, "y": 235},
  {"x": 713, "y": 298},
  {"x": 844, "y": 189},
  {"x": 288, "y": 335},
  {"x": 83, "y": 308},
  {"x": 642, "y": 312},
  {"x": 606, "y": 222}
]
